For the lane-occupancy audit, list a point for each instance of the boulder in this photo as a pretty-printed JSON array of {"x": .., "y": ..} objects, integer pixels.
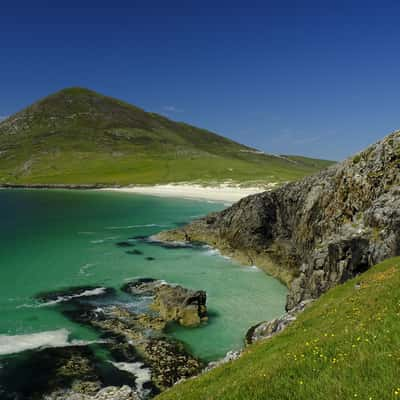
[
  {"x": 173, "y": 302},
  {"x": 185, "y": 306}
]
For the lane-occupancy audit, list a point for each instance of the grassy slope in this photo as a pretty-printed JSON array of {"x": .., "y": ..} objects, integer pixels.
[
  {"x": 345, "y": 346},
  {"x": 79, "y": 136}
]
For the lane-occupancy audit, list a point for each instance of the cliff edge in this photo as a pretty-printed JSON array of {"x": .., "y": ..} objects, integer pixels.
[{"x": 317, "y": 232}]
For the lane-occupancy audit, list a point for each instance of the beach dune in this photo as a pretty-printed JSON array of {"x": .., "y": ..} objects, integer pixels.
[{"x": 223, "y": 192}]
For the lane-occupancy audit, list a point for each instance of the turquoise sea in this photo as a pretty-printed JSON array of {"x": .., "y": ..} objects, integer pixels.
[{"x": 54, "y": 239}]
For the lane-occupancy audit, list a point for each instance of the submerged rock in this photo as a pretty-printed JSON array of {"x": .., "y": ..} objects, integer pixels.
[
  {"x": 59, "y": 373},
  {"x": 134, "y": 252},
  {"x": 173, "y": 244},
  {"x": 140, "y": 353},
  {"x": 73, "y": 293},
  {"x": 125, "y": 244},
  {"x": 139, "y": 337}
]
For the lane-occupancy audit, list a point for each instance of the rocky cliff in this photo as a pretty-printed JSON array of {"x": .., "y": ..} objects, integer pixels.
[{"x": 317, "y": 232}]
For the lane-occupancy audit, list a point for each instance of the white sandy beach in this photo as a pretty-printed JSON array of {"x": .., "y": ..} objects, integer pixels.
[{"x": 224, "y": 192}]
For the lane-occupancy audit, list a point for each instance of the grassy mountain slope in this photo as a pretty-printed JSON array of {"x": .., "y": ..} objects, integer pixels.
[
  {"x": 346, "y": 345},
  {"x": 78, "y": 136}
]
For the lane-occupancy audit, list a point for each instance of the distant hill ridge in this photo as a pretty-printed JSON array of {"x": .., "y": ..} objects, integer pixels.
[{"x": 78, "y": 136}]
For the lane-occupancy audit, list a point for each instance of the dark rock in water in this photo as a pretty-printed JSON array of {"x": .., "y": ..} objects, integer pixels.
[
  {"x": 57, "y": 373},
  {"x": 177, "y": 245},
  {"x": 152, "y": 240},
  {"x": 134, "y": 252},
  {"x": 172, "y": 302},
  {"x": 169, "y": 361},
  {"x": 132, "y": 336},
  {"x": 265, "y": 330},
  {"x": 317, "y": 232},
  {"x": 140, "y": 356},
  {"x": 141, "y": 286},
  {"x": 139, "y": 238},
  {"x": 150, "y": 258},
  {"x": 185, "y": 306},
  {"x": 125, "y": 244},
  {"x": 74, "y": 293}
]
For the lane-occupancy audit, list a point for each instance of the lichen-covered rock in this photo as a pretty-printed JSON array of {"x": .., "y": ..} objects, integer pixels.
[
  {"x": 318, "y": 232},
  {"x": 142, "y": 286},
  {"x": 172, "y": 302},
  {"x": 72, "y": 372},
  {"x": 107, "y": 393},
  {"x": 267, "y": 329},
  {"x": 185, "y": 306},
  {"x": 134, "y": 337},
  {"x": 230, "y": 356}
]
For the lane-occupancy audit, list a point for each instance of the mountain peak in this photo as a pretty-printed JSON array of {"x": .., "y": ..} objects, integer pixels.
[
  {"x": 77, "y": 135},
  {"x": 76, "y": 90}
]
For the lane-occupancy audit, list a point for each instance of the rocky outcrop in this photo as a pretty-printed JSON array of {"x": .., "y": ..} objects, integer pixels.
[
  {"x": 136, "y": 340},
  {"x": 66, "y": 373},
  {"x": 107, "y": 393},
  {"x": 267, "y": 329},
  {"x": 138, "y": 353},
  {"x": 173, "y": 302},
  {"x": 230, "y": 356},
  {"x": 139, "y": 337},
  {"x": 318, "y": 232}
]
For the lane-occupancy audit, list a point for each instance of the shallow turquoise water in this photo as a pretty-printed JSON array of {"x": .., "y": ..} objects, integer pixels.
[{"x": 56, "y": 239}]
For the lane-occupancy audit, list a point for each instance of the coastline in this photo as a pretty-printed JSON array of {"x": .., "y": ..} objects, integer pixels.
[
  {"x": 184, "y": 192},
  {"x": 223, "y": 192}
]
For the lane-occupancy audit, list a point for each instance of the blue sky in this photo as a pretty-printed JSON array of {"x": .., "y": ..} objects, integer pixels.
[{"x": 315, "y": 78}]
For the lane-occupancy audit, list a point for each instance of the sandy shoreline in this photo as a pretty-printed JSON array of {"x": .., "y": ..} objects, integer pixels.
[{"x": 222, "y": 192}]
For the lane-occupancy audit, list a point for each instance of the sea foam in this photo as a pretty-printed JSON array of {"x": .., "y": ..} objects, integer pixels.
[
  {"x": 10, "y": 344},
  {"x": 134, "y": 226},
  {"x": 86, "y": 293},
  {"x": 142, "y": 375}
]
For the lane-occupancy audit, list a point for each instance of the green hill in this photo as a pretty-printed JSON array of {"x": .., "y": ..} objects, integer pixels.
[
  {"x": 346, "y": 345},
  {"x": 77, "y": 136}
]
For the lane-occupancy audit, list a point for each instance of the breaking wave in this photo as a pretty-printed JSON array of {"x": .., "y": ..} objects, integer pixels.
[
  {"x": 11, "y": 344},
  {"x": 86, "y": 293},
  {"x": 135, "y": 226}
]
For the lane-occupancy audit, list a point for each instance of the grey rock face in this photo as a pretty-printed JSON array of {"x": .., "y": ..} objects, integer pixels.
[
  {"x": 230, "y": 356},
  {"x": 318, "y": 232},
  {"x": 265, "y": 330}
]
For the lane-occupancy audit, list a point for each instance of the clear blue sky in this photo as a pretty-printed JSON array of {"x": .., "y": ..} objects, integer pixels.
[{"x": 316, "y": 78}]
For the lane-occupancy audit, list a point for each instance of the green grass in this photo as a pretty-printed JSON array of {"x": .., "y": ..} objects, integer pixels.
[
  {"x": 79, "y": 136},
  {"x": 345, "y": 346}
]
